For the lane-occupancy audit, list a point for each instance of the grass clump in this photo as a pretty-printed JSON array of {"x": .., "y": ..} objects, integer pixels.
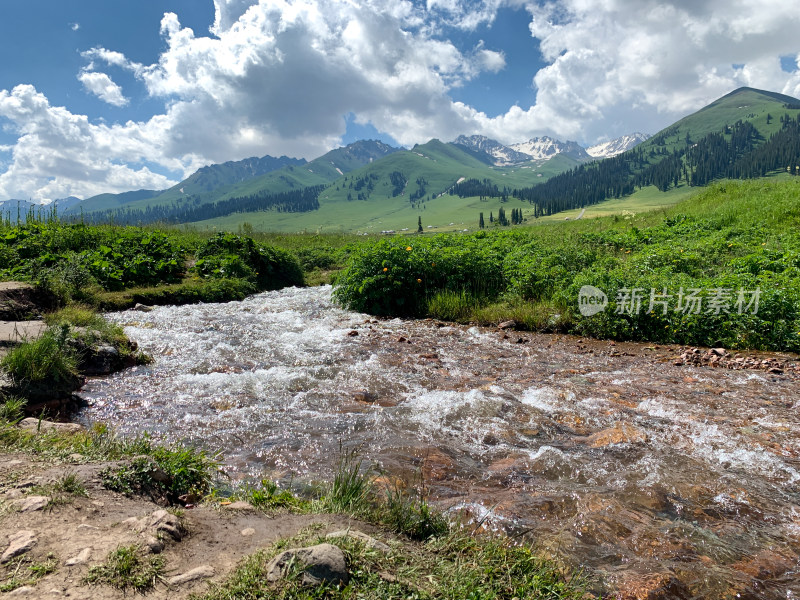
[
  {"x": 730, "y": 244},
  {"x": 351, "y": 488},
  {"x": 455, "y": 566},
  {"x": 269, "y": 496},
  {"x": 127, "y": 567},
  {"x": 22, "y": 572},
  {"x": 47, "y": 359},
  {"x": 163, "y": 472},
  {"x": 63, "y": 490}
]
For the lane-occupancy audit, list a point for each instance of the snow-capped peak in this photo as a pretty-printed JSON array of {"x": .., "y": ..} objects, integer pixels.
[
  {"x": 546, "y": 147},
  {"x": 501, "y": 155},
  {"x": 617, "y": 146}
]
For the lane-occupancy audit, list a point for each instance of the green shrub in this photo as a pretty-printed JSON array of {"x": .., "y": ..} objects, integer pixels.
[{"x": 227, "y": 255}]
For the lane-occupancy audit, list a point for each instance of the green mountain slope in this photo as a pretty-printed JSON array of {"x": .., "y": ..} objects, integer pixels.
[
  {"x": 743, "y": 104},
  {"x": 242, "y": 178},
  {"x": 392, "y": 193}
]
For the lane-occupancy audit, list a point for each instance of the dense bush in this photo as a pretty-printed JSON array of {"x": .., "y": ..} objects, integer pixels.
[
  {"x": 397, "y": 277},
  {"x": 228, "y": 255}
]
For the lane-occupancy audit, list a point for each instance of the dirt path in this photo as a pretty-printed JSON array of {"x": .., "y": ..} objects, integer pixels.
[{"x": 78, "y": 533}]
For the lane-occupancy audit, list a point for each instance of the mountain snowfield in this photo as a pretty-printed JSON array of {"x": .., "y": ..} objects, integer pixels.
[
  {"x": 545, "y": 148},
  {"x": 617, "y": 146}
]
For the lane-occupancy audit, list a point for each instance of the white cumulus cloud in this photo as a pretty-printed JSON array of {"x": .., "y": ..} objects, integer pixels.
[
  {"x": 279, "y": 76},
  {"x": 103, "y": 87}
]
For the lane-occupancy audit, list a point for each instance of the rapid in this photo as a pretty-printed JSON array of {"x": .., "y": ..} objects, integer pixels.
[{"x": 605, "y": 455}]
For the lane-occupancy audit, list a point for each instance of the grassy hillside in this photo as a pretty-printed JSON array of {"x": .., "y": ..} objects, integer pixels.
[
  {"x": 733, "y": 242},
  {"x": 434, "y": 167},
  {"x": 744, "y": 104}
]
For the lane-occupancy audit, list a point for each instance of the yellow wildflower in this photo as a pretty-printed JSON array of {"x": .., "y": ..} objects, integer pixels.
[
  {"x": 408, "y": 249},
  {"x": 385, "y": 269}
]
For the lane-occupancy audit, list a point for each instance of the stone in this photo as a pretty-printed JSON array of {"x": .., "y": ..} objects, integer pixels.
[
  {"x": 621, "y": 433},
  {"x": 161, "y": 520},
  {"x": 652, "y": 586},
  {"x": 154, "y": 545},
  {"x": 367, "y": 540},
  {"x": 352, "y": 333},
  {"x": 507, "y": 325},
  {"x": 142, "y": 308},
  {"x": 33, "y": 424},
  {"x": 323, "y": 563},
  {"x": 19, "y": 543},
  {"x": 364, "y": 396},
  {"x": 239, "y": 505},
  {"x": 101, "y": 360},
  {"x": 248, "y": 531},
  {"x": 202, "y": 572},
  {"x": 82, "y": 558},
  {"x": 25, "y": 590},
  {"x": 31, "y": 503}
]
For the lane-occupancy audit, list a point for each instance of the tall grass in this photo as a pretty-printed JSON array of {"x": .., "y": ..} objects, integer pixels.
[{"x": 45, "y": 359}]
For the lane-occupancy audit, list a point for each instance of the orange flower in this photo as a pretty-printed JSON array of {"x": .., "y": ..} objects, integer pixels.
[
  {"x": 385, "y": 269},
  {"x": 408, "y": 249},
  {"x": 419, "y": 280}
]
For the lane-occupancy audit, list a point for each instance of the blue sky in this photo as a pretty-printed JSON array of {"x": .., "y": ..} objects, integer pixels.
[{"x": 112, "y": 96}]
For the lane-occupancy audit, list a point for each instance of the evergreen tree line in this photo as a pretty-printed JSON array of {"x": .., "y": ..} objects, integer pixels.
[
  {"x": 470, "y": 188},
  {"x": 303, "y": 200},
  {"x": 581, "y": 186},
  {"x": 738, "y": 152}
]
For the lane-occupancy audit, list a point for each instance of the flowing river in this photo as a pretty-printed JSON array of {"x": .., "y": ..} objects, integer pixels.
[{"x": 607, "y": 456}]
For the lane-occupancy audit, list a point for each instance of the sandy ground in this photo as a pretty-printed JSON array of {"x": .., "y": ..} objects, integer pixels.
[{"x": 81, "y": 532}]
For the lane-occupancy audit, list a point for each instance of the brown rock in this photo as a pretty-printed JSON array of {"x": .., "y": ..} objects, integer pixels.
[
  {"x": 19, "y": 543},
  {"x": 507, "y": 325},
  {"x": 621, "y": 433},
  {"x": 767, "y": 564},
  {"x": 352, "y": 333},
  {"x": 31, "y": 503},
  {"x": 239, "y": 505},
  {"x": 652, "y": 586}
]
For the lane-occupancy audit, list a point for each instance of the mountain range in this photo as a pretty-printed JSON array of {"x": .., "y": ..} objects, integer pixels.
[{"x": 368, "y": 185}]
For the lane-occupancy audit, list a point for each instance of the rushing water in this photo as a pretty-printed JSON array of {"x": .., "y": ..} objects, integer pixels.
[{"x": 622, "y": 464}]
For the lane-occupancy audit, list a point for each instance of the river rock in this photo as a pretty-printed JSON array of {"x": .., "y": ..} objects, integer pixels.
[
  {"x": 367, "y": 540},
  {"x": 652, "y": 586},
  {"x": 323, "y": 563},
  {"x": 32, "y": 424},
  {"x": 201, "y": 572},
  {"x": 621, "y": 433},
  {"x": 19, "y": 543},
  {"x": 507, "y": 325},
  {"x": 142, "y": 308}
]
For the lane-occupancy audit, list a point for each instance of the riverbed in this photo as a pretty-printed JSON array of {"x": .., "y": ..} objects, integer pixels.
[{"x": 607, "y": 456}]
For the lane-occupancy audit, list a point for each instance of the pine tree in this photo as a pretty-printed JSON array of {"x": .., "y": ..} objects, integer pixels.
[
  {"x": 419, "y": 224},
  {"x": 491, "y": 218},
  {"x": 481, "y": 223}
]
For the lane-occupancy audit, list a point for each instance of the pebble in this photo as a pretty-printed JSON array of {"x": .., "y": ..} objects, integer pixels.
[{"x": 82, "y": 558}]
